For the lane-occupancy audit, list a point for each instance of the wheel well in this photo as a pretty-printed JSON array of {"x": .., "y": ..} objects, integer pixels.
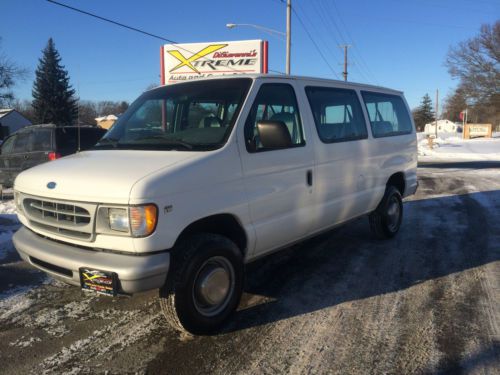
[
  {"x": 224, "y": 224},
  {"x": 398, "y": 181}
]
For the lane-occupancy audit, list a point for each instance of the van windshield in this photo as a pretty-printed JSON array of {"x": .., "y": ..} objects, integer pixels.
[{"x": 194, "y": 116}]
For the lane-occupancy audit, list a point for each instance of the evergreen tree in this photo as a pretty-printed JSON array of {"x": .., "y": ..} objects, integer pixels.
[
  {"x": 53, "y": 96},
  {"x": 424, "y": 113}
]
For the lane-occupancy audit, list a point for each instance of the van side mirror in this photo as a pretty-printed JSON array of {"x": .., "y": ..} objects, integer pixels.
[{"x": 274, "y": 135}]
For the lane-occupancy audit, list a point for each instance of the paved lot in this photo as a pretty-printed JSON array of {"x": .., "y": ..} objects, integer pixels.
[{"x": 425, "y": 302}]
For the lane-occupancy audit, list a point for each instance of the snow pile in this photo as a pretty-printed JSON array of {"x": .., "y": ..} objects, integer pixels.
[
  {"x": 7, "y": 207},
  {"x": 452, "y": 146},
  {"x": 8, "y": 225}
]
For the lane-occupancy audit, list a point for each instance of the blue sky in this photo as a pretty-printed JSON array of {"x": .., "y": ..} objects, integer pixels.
[{"x": 400, "y": 44}]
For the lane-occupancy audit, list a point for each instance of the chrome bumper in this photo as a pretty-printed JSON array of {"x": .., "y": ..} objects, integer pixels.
[{"x": 136, "y": 273}]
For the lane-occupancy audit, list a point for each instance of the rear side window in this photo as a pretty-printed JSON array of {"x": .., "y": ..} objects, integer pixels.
[
  {"x": 22, "y": 143},
  {"x": 4, "y": 132},
  {"x": 337, "y": 114},
  {"x": 8, "y": 145},
  {"x": 274, "y": 102},
  {"x": 67, "y": 138},
  {"x": 41, "y": 140},
  {"x": 388, "y": 114}
]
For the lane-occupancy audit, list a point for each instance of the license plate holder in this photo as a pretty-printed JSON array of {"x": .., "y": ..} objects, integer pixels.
[{"x": 101, "y": 282}]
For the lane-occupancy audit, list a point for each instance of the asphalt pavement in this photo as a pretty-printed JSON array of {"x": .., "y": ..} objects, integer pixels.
[{"x": 425, "y": 302}]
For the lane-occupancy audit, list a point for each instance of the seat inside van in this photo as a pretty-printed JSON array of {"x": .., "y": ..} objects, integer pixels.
[{"x": 291, "y": 124}]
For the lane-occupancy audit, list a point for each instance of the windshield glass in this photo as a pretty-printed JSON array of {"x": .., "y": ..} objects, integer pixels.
[{"x": 194, "y": 116}]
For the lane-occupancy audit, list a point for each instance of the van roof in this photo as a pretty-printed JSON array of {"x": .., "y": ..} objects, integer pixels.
[{"x": 295, "y": 77}]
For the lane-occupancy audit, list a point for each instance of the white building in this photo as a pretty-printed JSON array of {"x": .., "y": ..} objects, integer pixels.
[
  {"x": 444, "y": 126},
  {"x": 11, "y": 121}
]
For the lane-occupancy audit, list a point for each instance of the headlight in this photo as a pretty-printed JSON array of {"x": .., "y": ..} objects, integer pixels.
[
  {"x": 143, "y": 219},
  {"x": 118, "y": 219}
]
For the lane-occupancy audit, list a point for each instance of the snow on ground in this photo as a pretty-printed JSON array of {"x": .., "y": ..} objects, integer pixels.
[
  {"x": 7, "y": 207},
  {"x": 8, "y": 225},
  {"x": 452, "y": 146}
]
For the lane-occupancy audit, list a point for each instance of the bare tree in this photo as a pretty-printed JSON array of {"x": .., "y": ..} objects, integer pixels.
[
  {"x": 88, "y": 110},
  {"x": 9, "y": 73},
  {"x": 25, "y": 108},
  {"x": 455, "y": 103},
  {"x": 476, "y": 63}
]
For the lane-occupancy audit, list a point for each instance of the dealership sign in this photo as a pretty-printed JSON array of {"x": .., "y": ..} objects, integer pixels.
[{"x": 182, "y": 62}]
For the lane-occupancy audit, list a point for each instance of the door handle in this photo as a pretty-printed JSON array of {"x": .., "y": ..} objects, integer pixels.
[
  {"x": 309, "y": 177},
  {"x": 26, "y": 157}
]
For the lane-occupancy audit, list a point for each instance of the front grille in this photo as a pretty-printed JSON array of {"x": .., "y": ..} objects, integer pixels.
[{"x": 68, "y": 219}]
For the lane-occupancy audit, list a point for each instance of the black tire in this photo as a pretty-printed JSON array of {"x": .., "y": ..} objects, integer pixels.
[
  {"x": 385, "y": 221},
  {"x": 197, "y": 262}
]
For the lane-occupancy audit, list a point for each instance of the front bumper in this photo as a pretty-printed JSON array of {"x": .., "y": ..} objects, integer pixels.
[{"x": 136, "y": 273}]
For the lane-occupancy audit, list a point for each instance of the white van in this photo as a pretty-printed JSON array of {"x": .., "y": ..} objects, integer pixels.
[{"x": 198, "y": 178}]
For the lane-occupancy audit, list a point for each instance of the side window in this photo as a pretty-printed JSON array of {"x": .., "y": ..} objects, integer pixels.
[
  {"x": 388, "y": 114},
  {"x": 337, "y": 114},
  {"x": 41, "y": 140},
  {"x": 274, "y": 102},
  {"x": 8, "y": 145},
  {"x": 22, "y": 143}
]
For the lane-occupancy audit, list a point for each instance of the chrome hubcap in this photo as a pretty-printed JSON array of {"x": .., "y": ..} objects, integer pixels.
[
  {"x": 213, "y": 286},
  {"x": 393, "y": 213}
]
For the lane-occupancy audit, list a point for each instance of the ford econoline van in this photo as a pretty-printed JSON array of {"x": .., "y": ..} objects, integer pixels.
[{"x": 199, "y": 178}]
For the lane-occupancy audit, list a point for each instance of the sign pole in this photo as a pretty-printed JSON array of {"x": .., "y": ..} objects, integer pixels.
[
  {"x": 437, "y": 110},
  {"x": 288, "y": 34}
]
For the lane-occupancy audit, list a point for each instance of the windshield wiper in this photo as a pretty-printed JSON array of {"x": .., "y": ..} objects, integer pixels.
[
  {"x": 167, "y": 142},
  {"x": 107, "y": 141}
]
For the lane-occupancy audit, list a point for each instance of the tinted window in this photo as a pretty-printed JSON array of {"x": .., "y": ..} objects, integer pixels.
[
  {"x": 337, "y": 114},
  {"x": 22, "y": 143},
  {"x": 4, "y": 132},
  {"x": 274, "y": 102},
  {"x": 388, "y": 114},
  {"x": 7, "y": 146},
  {"x": 67, "y": 138},
  {"x": 41, "y": 140}
]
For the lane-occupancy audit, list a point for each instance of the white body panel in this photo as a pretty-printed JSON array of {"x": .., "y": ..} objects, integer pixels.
[{"x": 267, "y": 192}]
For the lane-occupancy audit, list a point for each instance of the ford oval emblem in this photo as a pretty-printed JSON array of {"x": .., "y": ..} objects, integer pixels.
[{"x": 51, "y": 185}]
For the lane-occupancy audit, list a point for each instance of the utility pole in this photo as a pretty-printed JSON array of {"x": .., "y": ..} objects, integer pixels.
[
  {"x": 288, "y": 34},
  {"x": 437, "y": 111},
  {"x": 345, "y": 47}
]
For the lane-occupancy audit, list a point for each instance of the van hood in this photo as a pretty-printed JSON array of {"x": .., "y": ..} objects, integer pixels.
[{"x": 105, "y": 176}]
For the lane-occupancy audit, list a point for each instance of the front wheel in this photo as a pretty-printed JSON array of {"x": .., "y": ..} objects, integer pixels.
[
  {"x": 206, "y": 284},
  {"x": 386, "y": 220}
]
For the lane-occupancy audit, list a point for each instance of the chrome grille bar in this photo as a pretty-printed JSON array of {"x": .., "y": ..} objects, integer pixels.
[{"x": 68, "y": 219}]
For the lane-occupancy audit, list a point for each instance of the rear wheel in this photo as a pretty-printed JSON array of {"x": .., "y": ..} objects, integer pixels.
[
  {"x": 205, "y": 285},
  {"x": 385, "y": 221}
]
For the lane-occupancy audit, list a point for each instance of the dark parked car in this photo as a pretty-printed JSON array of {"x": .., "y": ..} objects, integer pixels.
[{"x": 37, "y": 144}]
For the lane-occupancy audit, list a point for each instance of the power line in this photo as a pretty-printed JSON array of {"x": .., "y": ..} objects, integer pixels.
[
  {"x": 330, "y": 26},
  {"x": 277, "y": 72},
  {"x": 314, "y": 43},
  {"x": 111, "y": 21},
  {"x": 358, "y": 54},
  {"x": 131, "y": 28},
  {"x": 345, "y": 37}
]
